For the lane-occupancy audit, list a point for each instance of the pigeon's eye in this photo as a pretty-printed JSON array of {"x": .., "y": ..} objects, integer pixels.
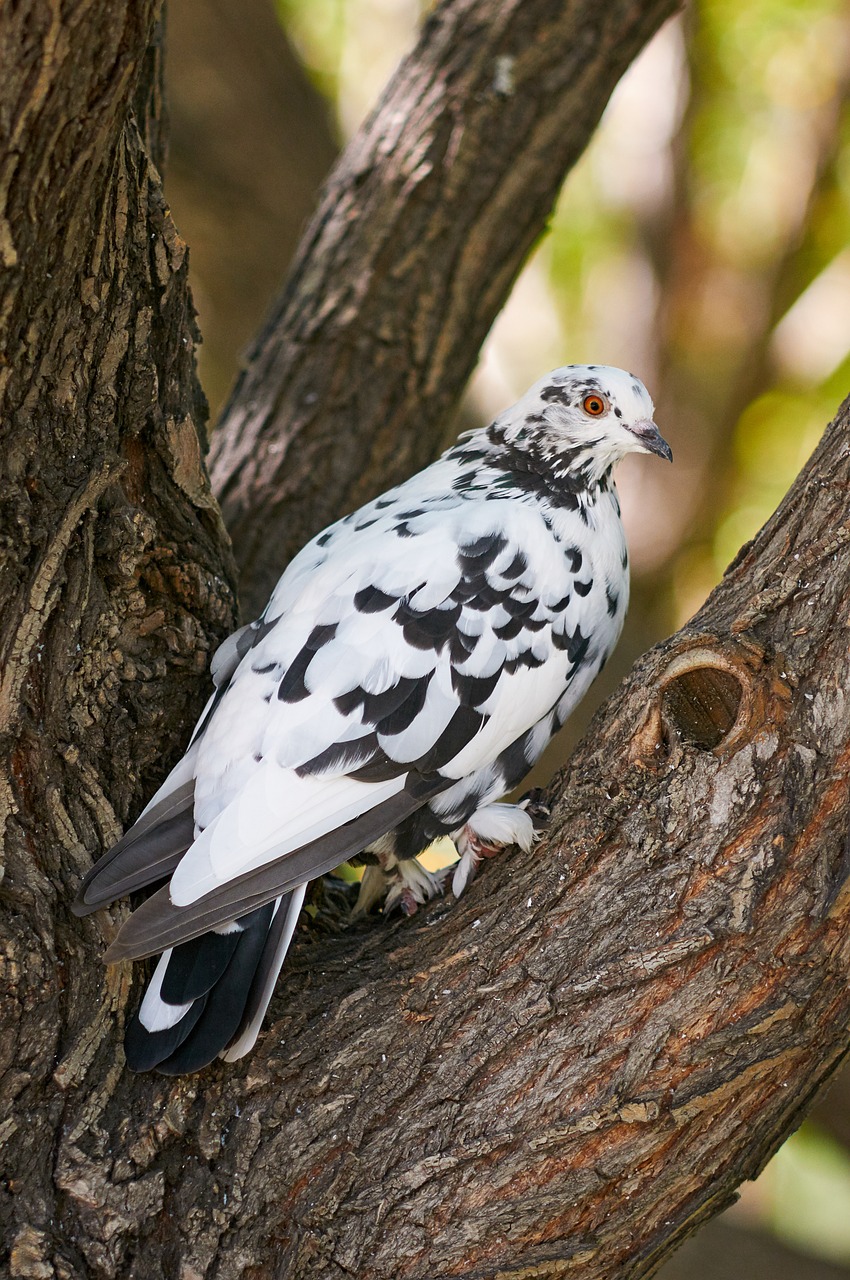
[{"x": 595, "y": 405}]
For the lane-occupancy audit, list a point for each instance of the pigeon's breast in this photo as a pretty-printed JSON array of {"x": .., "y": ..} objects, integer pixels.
[{"x": 594, "y": 545}]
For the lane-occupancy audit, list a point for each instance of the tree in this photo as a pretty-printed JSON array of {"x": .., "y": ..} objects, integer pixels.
[{"x": 579, "y": 1062}]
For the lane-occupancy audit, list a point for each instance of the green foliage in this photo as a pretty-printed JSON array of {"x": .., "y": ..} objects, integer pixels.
[
  {"x": 809, "y": 1181},
  {"x": 317, "y": 28},
  {"x": 773, "y": 438}
]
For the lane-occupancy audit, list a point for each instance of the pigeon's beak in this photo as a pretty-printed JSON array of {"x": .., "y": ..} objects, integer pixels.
[{"x": 651, "y": 439}]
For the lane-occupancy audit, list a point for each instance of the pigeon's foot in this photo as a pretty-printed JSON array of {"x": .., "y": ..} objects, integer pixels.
[
  {"x": 404, "y": 884},
  {"x": 407, "y": 885},
  {"x": 535, "y": 806},
  {"x": 373, "y": 886},
  {"x": 490, "y": 829},
  {"x": 411, "y": 886}
]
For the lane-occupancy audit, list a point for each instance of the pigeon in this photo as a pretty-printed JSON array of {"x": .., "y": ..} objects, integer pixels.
[{"x": 412, "y": 664}]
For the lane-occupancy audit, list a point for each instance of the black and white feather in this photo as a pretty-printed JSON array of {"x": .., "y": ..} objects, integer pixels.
[{"x": 411, "y": 665}]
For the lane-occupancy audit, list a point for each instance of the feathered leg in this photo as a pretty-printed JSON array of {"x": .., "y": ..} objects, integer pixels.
[{"x": 490, "y": 829}]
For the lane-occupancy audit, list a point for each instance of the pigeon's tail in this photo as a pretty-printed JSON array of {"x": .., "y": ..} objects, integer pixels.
[{"x": 207, "y": 997}]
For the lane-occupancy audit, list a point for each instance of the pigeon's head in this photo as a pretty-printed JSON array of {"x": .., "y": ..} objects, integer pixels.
[{"x": 585, "y": 416}]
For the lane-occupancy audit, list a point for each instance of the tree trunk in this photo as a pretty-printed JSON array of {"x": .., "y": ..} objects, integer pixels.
[
  {"x": 116, "y": 576},
  {"x": 568, "y": 1070}
]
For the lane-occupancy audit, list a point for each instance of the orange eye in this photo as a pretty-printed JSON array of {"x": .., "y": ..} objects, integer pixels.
[{"x": 594, "y": 405}]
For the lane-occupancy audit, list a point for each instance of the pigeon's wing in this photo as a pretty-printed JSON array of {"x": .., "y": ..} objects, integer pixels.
[
  {"x": 148, "y": 852},
  {"x": 264, "y": 712},
  {"x": 408, "y": 659},
  {"x": 159, "y": 923}
]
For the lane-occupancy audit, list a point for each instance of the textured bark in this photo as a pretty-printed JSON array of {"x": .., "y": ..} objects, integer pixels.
[{"x": 421, "y": 231}]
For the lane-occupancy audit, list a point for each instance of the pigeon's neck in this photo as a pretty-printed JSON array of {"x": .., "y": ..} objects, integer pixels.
[{"x": 569, "y": 477}]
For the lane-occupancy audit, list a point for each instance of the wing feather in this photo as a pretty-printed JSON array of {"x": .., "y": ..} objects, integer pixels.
[
  {"x": 276, "y": 813},
  {"x": 148, "y": 852},
  {"x": 158, "y": 924}
]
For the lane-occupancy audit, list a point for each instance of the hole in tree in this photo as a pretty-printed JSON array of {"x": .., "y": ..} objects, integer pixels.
[{"x": 702, "y": 705}]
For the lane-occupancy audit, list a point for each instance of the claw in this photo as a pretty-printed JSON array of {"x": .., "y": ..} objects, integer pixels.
[
  {"x": 373, "y": 886},
  {"x": 412, "y": 886},
  {"x": 536, "y": 808}
]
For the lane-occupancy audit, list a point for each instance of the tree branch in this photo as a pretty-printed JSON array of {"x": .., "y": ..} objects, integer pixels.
[
  {"x": 579, "y": 1062},
  {"x": 420, "y": 233}
]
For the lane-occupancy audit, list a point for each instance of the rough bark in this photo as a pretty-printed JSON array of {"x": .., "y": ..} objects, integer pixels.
[{"x": 420, "y": 233}]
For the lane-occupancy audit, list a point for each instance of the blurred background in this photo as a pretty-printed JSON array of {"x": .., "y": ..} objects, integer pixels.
[{"x": 702, "y": 242}]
